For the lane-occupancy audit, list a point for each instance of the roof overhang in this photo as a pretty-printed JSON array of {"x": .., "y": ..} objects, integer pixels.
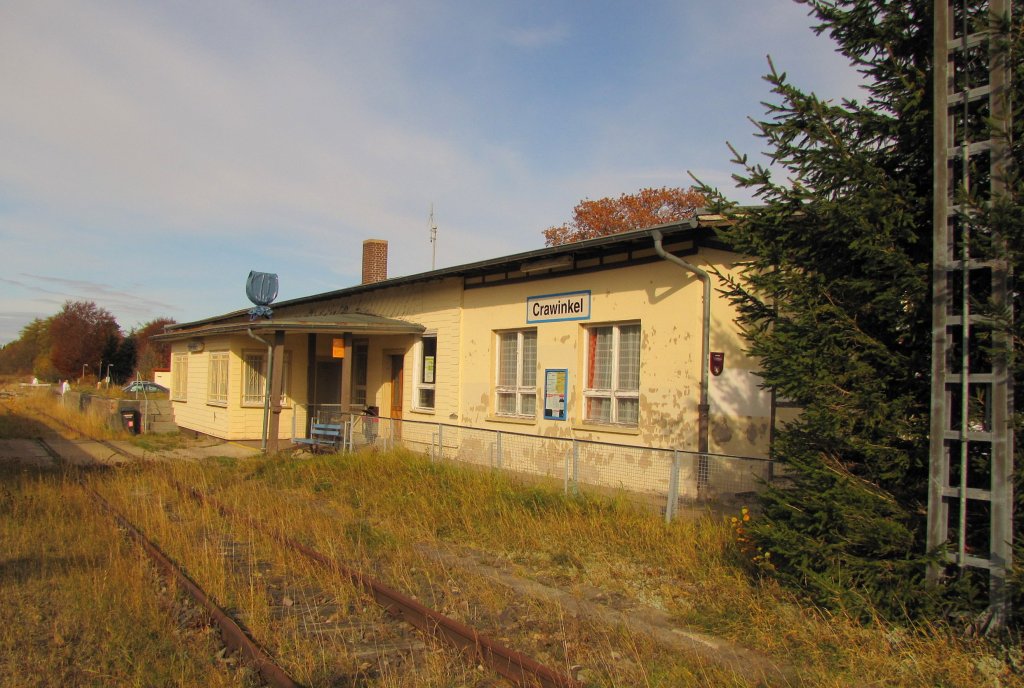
[
  {"x": 343, "y": 323},
  {"x": 551, "y": 261}
]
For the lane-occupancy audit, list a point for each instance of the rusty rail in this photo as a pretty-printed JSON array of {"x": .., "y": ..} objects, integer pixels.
[
  {"x": 516, "y": 667},
  {"x": 231, "y": 633}
]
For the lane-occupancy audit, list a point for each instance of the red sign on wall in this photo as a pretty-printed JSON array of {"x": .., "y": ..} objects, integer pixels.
[{"x": 717, "y": 362}]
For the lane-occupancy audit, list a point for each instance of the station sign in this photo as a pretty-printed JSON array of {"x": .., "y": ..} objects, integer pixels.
[{"x": 573, "y": 305}]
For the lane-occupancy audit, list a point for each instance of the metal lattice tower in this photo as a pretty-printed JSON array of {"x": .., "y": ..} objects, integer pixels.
[{"x": 970, "y": 496}]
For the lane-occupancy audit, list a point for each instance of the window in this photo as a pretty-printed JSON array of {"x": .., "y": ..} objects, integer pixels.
[
  {"x": 217, "y": 379},
  {"x": 360, "y": 356},
  {"x": 516, "y": 379},
  {"x": 179, "y": 377},
  {"x": 426, "y": 377},
  {"x": 254, "y": 377},
  {"x": 612, "y": 392}
]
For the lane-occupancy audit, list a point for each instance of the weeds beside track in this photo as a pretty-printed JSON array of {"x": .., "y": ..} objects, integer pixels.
[
  {"x": 519, "y": 669},
  {"x": 579, "y": 583}
]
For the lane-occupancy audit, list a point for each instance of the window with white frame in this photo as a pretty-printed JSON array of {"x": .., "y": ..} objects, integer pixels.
[
  {"x": 360, "y": 359},
  {"x": 179, "y": 377},
  {"x": 254, "y": 377},
  {"x": 426, "y": 377},
  {"x": 217, "y": 379},
  {"x": 612, "y": 387},
  {"x": 515, "y": 389}
]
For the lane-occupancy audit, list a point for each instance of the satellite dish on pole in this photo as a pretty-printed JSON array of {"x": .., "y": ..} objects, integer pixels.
[{"x": 261, "y": 288}]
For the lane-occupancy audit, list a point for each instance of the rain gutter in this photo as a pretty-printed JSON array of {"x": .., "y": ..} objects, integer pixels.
[{"x": 703, "y": 408}]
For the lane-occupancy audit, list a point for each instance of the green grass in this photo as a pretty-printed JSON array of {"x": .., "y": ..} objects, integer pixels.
[{"x": 157, "y": 442}]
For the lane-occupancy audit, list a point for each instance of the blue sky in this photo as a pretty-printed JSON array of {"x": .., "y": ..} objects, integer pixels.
[{"x": 155, "y": 152}]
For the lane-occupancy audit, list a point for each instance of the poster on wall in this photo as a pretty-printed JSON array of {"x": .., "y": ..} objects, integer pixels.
[{"x": 556, "y": 386}]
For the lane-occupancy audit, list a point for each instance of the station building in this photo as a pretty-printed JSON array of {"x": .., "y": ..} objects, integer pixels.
[{"x": 599, "y": 340}]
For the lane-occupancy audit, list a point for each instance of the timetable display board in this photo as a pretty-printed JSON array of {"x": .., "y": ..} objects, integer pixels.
[{"x": 556, "y": 388}]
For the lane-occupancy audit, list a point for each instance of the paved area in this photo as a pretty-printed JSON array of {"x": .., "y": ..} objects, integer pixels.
[
  {"x": 199, "y": 449},
  {"x": 26, "y": 452},
  {"x": 85, "y": 452}
]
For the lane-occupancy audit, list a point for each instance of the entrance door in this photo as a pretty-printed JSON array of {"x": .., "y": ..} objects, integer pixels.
[
  {"x": 397, "y": 362},
  {"x": 327, "y": 392}
]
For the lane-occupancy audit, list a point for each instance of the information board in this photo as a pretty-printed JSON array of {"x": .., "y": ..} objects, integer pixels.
[{"x": 556, "y": 388}]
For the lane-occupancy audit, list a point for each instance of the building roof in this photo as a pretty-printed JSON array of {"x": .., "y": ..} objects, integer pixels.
[
  {"x": 359, "y": 323},
  {"x": 536, "y": 264}
]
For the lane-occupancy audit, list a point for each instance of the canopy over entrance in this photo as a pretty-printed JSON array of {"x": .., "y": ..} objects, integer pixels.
[{"x": 342, "y": 323}]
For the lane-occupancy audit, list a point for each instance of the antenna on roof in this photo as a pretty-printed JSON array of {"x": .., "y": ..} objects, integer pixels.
[{"x": 433, "y": 238}]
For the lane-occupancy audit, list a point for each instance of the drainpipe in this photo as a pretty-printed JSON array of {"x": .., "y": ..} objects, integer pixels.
[
  {"x": 266, "y": 393},
  {"x": 703, "y": 408}
]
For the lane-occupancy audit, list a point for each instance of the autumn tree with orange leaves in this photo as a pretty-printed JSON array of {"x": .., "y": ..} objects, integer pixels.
[{"x": 645, "y": 208}]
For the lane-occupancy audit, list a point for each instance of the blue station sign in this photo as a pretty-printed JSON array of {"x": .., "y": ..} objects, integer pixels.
[{"x": 573, "y": 305}]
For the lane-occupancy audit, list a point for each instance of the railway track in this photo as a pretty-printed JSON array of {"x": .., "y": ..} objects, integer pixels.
[{"x": 376, "y": 646}]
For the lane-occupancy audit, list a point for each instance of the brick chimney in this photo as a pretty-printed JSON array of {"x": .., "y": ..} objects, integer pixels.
[{"x": 375, "y": 261}]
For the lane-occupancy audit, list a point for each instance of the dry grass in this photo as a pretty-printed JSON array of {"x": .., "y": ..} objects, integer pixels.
[
  {"x": 386, "y": 513},
  {"x": 79, "y": 606}
]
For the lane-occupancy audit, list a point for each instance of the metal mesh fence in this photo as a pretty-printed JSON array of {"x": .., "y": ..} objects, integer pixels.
[{"x": 663, "y": 479}]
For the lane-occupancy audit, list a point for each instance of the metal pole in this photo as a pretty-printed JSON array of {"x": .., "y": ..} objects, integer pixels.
[
  {"x": 266, "y": 392},
  {"x": 673, "y": 488},
  {"x": 565, "y": 487},
  {"x": 575, "y": 466},
  {"x": 703, "y": 408}
]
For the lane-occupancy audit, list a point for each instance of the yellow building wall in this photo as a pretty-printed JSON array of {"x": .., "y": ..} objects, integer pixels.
[
  {"x": 434, "y": 305},
  {"x": 666, "y": 301},
  {"x": 662, "y": 297},
  {"x": 234, "y": 421}
]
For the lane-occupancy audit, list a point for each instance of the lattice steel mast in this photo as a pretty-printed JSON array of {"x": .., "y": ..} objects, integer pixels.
[{"x": 970, "y": 498}]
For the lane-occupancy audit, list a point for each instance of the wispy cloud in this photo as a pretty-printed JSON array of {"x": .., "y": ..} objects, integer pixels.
[
  {"x": 154, "y": 153},
  {"x": 99, "y": 290}
]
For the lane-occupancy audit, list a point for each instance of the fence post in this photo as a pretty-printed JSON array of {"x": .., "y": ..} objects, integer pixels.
[
  {"x": 673, "y": 488},
  {"x": 703, "y": 477},
  {"x": 575, "y": 466},
  {"x": 566, "y": 479},
  {"x": 498, "y": 443},
  {"x": 440, "y": 442}
]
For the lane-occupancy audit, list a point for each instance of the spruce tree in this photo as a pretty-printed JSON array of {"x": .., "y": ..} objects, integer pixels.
[{"x": 836, "y": 305}]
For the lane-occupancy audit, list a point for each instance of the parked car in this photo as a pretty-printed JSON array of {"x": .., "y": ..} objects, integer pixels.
[{"x": 144, "y": 386}]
